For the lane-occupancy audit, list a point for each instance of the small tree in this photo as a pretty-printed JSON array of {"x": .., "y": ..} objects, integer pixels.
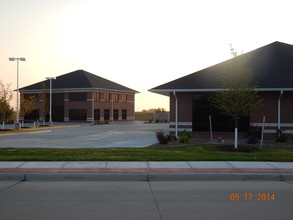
[
  {"x": 238, "y": 96},
  {"x": 27, "y": 104},
  {"x": 5, "y": 97}
]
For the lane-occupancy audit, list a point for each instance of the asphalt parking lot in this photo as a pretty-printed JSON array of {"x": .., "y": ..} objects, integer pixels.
[{"x": 122, "y": 134}]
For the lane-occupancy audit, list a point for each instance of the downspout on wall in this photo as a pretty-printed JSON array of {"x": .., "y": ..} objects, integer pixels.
[
  {"x": 93, "y": 108},
  {"x": 176, "y": 114},
  {"x": 279, "y": 109}
]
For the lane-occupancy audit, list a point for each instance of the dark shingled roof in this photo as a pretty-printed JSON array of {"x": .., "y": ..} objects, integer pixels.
[
  {"x": 272, "y": 67},
  {"x": 79, "y": 79}
]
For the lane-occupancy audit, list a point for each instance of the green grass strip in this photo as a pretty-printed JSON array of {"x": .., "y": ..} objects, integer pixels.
[{"x": 182, "y": 153}]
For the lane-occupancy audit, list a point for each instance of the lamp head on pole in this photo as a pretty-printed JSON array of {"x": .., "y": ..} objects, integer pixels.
[{"x": 17, "y": 58}]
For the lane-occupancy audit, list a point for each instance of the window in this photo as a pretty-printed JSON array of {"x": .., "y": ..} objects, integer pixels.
[
  {"x": 58, "y": 99},
  {"x": 202, "y": 109},
  {"x": 115, "y": 98},
  {"x": 57, "y": 113},
  {"x": 96, "y": 96},
  {"x": 116, "y": 114},
  {"x": 97, "y": 114},
  {"x": 77, "y": 114},
  {"x": 101, "y": 97},
  {"x": 104, "y": 97},
  {"x": 77, "y": 96},
  {"x": 123, "y": 98},
  {"x": 106, "y": 114},
  {"x": 124, "y": 114}
]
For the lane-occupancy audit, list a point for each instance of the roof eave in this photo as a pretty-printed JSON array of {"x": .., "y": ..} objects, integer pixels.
[
  {"x": 168, "y": 91},
  {"x": 76, "y": 90}
]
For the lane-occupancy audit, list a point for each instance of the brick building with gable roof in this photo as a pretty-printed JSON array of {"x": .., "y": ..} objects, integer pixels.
[
  {"x": 272, "y": 67},
  {"x": 83, "y": 96}
]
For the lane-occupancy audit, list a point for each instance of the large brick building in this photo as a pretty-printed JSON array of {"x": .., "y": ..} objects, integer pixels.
[
  {"x": 272, "y": 67},
  {"x": 82, "y": 96}
]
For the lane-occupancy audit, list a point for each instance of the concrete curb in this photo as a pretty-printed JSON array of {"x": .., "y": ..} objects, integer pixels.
[
  {"x": 27, "y": 132},
  {"x": 145, "y": 170},
  {"x": 146, "y": 177}
]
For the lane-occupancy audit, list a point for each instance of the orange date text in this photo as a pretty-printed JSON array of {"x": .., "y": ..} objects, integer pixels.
[{"x": 252, "y": 197}]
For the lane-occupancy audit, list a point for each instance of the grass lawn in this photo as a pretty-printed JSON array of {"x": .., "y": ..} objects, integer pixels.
[{"x": 181, "y": 153}]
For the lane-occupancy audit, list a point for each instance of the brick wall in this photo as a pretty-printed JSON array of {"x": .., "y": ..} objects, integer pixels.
[
  {"x": 269, "y": 109},
  {"x": 184, "y": 111},
  {"x": 90, "y": 99},
  {"x": 101, "y": 105}
]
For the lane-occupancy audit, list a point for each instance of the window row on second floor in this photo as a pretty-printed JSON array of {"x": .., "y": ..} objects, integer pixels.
[
  {"x": 79, "y": 97},
  {"x": 98, "y": 96},
  {"x": 107, "y": 97}
]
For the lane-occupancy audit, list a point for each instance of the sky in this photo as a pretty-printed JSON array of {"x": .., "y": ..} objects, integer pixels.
[{"x": 140, "y": 44}]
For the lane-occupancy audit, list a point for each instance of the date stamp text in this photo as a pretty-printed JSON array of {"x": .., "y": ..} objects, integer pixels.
[{"x": 252, "y": 197}]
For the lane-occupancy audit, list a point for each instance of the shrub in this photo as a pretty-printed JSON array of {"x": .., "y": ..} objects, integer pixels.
[
  {"x": 184, "y": 138},
  {"x": 101, "y": 122},
  {"x": 254, "y": 131},
  {"x": 171, "y": 137},
  {"x": 252, "y": 140},
  {"x": 280, "y": 136},
  {"x": 161, "y": 137}
]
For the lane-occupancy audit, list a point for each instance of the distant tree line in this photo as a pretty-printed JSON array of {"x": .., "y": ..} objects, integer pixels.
[{"x": 154, "y": 110}]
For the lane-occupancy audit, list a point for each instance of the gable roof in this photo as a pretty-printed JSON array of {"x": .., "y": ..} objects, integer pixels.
[
  {"x": 272, "y": 67},
  {"x": 79, "y": 80}
]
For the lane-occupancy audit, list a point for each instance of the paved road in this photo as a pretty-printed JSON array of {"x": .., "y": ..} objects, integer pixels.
[
  {"x": 206, "y": 200},
  {"x": 122, "y": 134}
]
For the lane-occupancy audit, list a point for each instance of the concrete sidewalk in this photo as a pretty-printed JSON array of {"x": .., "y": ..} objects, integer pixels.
[
  {"x": 141, "y": 167},
  {"x": 186, "y": 165},
  {"x": 189, "y": 170}
]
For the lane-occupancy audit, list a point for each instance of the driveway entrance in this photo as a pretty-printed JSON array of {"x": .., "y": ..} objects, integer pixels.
[{"x": 122, "y": 134}]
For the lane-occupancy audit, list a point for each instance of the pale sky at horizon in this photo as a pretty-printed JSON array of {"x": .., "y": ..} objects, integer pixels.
[{"x": 139, "y": 44}]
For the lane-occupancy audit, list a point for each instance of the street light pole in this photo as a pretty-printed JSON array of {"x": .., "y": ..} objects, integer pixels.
[
  {"x": 17, "y": 124},
  {"x": 50, "y": 112}
]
